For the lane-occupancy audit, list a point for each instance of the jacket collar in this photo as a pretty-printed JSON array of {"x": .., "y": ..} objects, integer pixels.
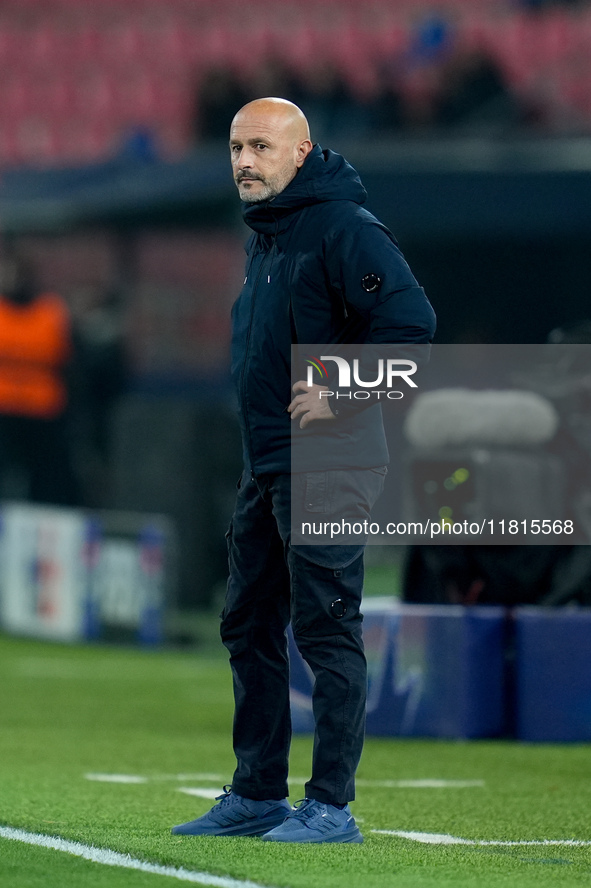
[{"x": 324, "y": 176}]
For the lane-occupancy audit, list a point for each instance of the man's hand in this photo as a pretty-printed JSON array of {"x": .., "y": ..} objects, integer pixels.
[{"x": 309, "y": 405}]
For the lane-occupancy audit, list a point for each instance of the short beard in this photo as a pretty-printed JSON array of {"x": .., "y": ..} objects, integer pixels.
[
  {"x": 269, "y": 189},
  {"x": 267, "y": 192}
]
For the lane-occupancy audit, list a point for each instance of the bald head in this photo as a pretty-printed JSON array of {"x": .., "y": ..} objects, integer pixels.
[
  {"x": 275, "y": 112},
  {"x": 269, "y": 142}
]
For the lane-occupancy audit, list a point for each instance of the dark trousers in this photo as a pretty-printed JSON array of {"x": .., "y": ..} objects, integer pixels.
[{"x": 319, "y": 589}]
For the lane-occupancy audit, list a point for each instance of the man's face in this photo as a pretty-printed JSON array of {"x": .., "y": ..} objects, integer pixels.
[{"x": 265, "y": 156}]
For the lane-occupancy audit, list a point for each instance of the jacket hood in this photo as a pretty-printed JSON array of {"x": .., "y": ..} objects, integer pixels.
[{"x": 324, "y": 176}]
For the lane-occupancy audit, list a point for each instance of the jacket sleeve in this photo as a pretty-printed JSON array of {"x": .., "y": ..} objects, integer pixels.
[{"x": 368, "y": 269}]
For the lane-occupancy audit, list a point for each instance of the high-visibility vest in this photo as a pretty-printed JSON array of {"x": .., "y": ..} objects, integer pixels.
[{"x": 35, "y": 344}]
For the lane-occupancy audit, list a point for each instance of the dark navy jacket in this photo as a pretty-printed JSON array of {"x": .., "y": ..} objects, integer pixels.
[{"x": 313, "y": 244}]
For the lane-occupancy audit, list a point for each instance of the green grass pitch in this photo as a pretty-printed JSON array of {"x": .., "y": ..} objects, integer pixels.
[{"x": 165, "y": 717}]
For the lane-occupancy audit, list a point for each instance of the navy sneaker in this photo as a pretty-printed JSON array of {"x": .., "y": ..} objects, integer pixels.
[
  {"x": 236, "y": 816},
  {"x": 313, "y": 821}
]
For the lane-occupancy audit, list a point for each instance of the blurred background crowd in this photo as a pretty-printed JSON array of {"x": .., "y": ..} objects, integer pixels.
[
  {"x": 81, "y": 80},
  {"x": 470, "y": 124}
]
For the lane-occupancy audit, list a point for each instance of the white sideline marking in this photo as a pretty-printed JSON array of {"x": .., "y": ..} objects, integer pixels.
[
  {"x": 137, "y": 778},
  {"x": 113, "y": 858},
  {"x": 213, "y": 778},
  {"x": 202, "y": 792},
  {"x": 116, "y": 778},
  {"x": 218, "y": 778},
  {"x": 420, "y": 784},
  {"x": 444, "y": 839}
]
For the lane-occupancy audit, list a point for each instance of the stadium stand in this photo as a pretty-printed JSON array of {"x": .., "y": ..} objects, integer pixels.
[{"x": 77, "y": 78}]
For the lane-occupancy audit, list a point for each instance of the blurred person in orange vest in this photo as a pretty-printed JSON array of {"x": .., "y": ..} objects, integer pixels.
[{"x": 36, "y": 348}]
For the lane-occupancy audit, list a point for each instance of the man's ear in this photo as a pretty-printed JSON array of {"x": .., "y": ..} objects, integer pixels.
[{"x": 302, "y": 151}]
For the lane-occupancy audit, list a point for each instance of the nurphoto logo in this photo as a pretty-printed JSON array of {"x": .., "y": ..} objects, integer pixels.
[{"x": 389, "y": 371}]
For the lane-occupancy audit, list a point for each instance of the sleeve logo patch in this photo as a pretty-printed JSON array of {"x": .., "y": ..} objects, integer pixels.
[{"x": 371, "y": 283}]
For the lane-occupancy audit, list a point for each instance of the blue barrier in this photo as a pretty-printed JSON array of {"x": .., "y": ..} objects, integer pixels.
[
  {"x": 553, "y": 674},
  {"x": 433, "y": 670}
]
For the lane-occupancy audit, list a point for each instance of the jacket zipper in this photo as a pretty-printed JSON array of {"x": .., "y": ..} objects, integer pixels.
[{"x": 247, "y": 351}]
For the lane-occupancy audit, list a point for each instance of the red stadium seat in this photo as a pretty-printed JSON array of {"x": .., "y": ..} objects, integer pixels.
[
  {"x": 9, "y": 150},
  {"x": 36, "y": 140},
  {"x": 120, "y": 44},
  {"x": 15, "y": 96},
  {"x": 50, "y": 96},
  {"x": 93, "y": 92},
  {"x": 83, "y": 41}
]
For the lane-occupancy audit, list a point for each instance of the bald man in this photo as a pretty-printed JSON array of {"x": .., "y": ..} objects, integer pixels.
[
  {"x": 263, "y": 169},
  {"x": 320, "y": 269}
]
